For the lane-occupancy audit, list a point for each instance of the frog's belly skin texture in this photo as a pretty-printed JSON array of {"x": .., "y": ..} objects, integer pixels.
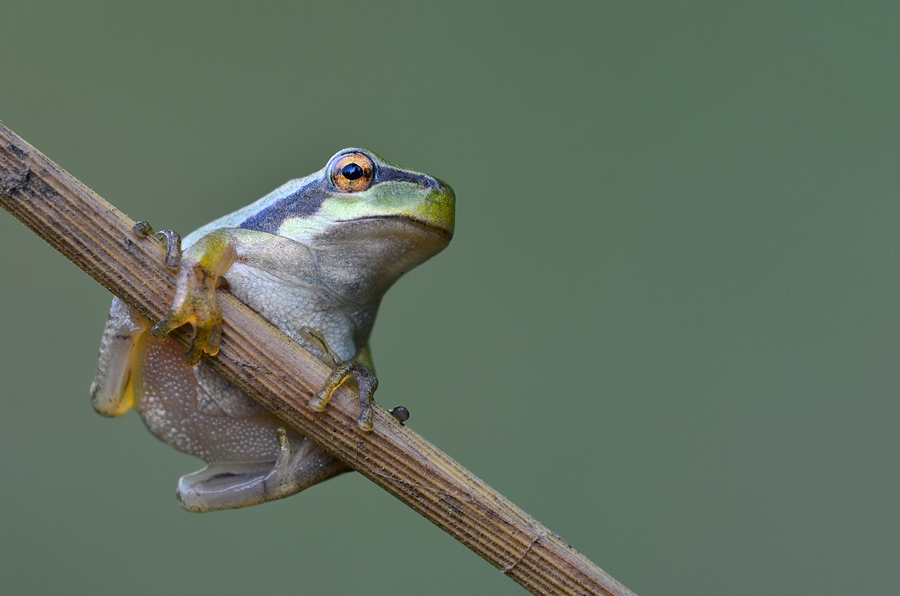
[
  {"x": 314, "y": 258},
  {"x": 214, "y": 420}
]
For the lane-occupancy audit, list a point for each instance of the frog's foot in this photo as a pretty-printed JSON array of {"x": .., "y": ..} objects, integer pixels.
[
  {"x": 229, "y": 485},
  {"x": 360, "y": 376},
  {"x": 342, "y": 371},
  {"x": 196, "y": 303},
  {"x": 173, "y": 242},
  {"x": 201, "y": 271}
]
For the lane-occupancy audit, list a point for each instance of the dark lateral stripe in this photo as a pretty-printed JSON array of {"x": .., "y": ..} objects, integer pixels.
[
  {"x": 304, "y": 202},
  {"x": 392, "y": 174}
]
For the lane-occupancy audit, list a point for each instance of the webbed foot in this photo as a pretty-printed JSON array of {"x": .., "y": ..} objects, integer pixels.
[
  {"x": 195, "y": 303},
  {"x": 343, "y": 371}
]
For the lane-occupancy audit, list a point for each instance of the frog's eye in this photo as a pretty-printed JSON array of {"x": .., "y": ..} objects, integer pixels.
[{"x": 352, "y": 172}]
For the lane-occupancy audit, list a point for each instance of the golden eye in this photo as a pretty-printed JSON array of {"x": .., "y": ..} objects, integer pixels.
[{"x": 352, "y": 172}]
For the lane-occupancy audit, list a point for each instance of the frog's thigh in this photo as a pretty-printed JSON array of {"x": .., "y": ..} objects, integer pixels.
[
  {"x": 111, "y": 392},
  {"x": 229, "y": 485}
]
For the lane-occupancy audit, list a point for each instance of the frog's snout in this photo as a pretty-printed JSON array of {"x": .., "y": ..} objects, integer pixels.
[{"x": 441, "y": 204}]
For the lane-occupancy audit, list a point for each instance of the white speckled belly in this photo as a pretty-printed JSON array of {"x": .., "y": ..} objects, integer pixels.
[{"x": 199, "y": 412}]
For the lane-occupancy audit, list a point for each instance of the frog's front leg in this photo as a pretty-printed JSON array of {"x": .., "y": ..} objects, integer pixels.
[
  {"x": 357, "y": 371},
  {"x": 230, "y": 485},
  {"x": 195, "y": 301}
]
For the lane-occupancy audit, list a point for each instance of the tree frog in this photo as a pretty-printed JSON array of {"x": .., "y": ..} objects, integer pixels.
[{"x": 314, "y": 257}]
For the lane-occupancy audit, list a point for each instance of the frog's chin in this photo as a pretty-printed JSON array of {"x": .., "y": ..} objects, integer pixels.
[
  {"x": 393, "y": 241},
  {"x": 360, "y": 259}
]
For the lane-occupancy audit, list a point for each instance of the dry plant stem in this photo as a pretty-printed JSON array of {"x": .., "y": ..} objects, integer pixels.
[{"x": 281, "y": 376}]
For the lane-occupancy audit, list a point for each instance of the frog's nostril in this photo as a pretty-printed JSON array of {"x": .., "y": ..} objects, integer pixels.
[{"x": 426, "y": 183}]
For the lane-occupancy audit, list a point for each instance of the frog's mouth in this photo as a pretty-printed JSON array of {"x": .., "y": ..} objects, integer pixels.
[{"x": 408, "y": 220}]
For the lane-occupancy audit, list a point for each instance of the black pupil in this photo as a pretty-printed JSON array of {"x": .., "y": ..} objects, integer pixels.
[{"x": 352, "y": 171}]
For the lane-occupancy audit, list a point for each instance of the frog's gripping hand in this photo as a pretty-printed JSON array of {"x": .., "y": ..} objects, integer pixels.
[
  {"x": 360, "y": 376},
  {"x": 353, "y": 371},
  {"x": 195, "y": 302}
]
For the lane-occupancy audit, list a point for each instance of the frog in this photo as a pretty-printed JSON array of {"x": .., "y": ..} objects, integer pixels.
[{"x": 314, "y": 257}]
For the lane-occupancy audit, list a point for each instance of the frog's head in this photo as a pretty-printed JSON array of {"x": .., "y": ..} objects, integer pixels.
[
  {"x": 363, "y": 217},
  {"x": 361, "y": 185}
]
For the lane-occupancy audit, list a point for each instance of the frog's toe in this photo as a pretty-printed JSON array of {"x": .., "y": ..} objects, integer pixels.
[
  {"x": 365, "y": 420},
  {"x": 319, "y": 401},
  {"x": 192, "y": 356},
  {"x": 215, "y": 338},
  {"x": 173, "y": 320},
  {"x": 173, "y": 241},
  {"x": 368, "y": 383},
  {"x": 142, "y": 228},
  {"x": 206, "y": 339},
  {"x": 173, "y": 248}
]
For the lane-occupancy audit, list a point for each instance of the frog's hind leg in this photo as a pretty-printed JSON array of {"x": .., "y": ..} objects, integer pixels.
[
  {"x": 112, "y": 392},
  {"x": 229, "y": 485}
]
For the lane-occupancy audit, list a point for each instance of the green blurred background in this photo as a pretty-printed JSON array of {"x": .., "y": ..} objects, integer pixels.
[{"x": 666, "y": 326}]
